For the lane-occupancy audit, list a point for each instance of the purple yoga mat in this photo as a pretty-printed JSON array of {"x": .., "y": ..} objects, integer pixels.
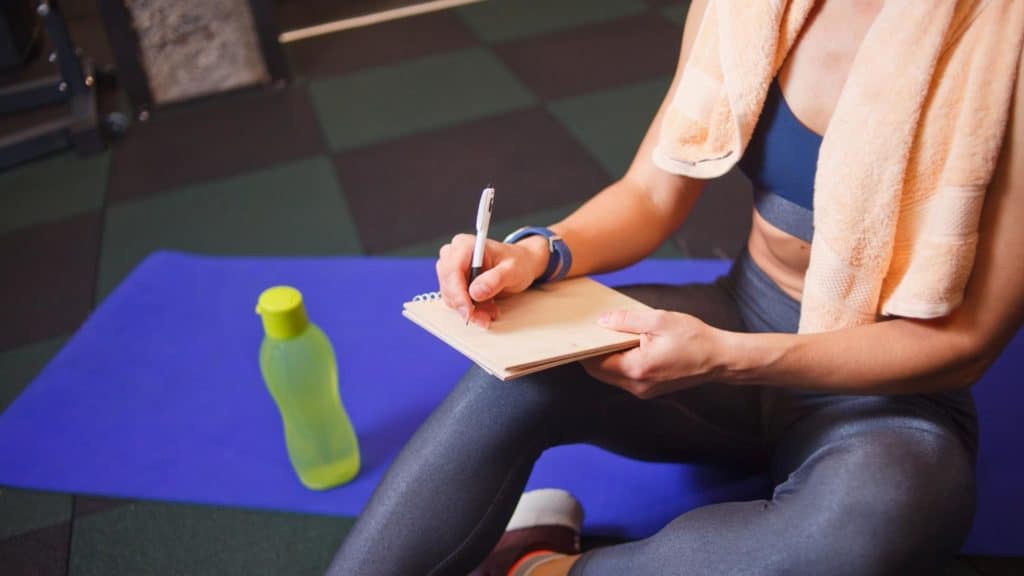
[{"x": 158, "y": 396}]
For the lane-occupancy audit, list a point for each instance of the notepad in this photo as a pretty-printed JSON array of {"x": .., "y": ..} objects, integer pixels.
[{"x": 545, "y": 326}]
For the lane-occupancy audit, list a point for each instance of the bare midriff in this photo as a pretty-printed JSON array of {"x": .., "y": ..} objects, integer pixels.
[{"x": 782, "y": 256}]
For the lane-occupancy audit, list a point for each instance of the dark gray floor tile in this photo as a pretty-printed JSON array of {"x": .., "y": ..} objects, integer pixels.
[
  {"x": 427, "y": 186},
  {"x": 214, "y": 138},
  {"x": 42, "y": 552},
  {"x": 51, "y": 272},
  {"x": 596, "y": 57},
  {"x": 503, "y": 20},
  {"x": 720, "y": 222},
  {"x": 380, "y": 44}
]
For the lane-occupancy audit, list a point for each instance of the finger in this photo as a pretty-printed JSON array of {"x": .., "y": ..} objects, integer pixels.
[
  {"x": 480, "y": 317},
  {"x": 489, "y": 308},
  {"x": 632, "y": 321},
  {"x": 593, "y": 367},
  {"x": 451, "y": 275},
  {"x": 491, "y": 282},
  {"x": 627, "y": 365},
  {"x": 453, "y": 288}
]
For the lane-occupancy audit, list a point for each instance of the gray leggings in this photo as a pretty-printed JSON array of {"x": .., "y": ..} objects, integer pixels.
[{"x": 863, "y": 484}]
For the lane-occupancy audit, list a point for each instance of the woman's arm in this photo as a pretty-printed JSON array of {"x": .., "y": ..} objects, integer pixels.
[
  {"x": 631, "y": 218},
  {"x": 892, "y": 357},
  {"x": 620, "y": 225}
]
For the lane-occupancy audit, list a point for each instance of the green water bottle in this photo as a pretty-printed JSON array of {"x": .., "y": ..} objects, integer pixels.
[{"x": 297, "y": 362}]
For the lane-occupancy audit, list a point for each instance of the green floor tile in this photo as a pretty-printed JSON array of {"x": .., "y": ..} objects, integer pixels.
[
  {"x": 611, "y": 123},
  {"x": 289, "y": 209},
  {"x": 19, "y": 366},
  {"x": 668, "y": 250},
  {"x": 23, "y": 511},
  {"x": 417, "y": 95},
  {"x": 676, "y": 12},
  {"x": 502, "y": 20},
  {"x": 51, "y": 189},
  {"x": 157, "y": 539}
]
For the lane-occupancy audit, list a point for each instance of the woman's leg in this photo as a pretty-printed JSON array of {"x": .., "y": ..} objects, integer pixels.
[
  {"x": 447, "y": 497},
  {"x": 872, "y": 486}
]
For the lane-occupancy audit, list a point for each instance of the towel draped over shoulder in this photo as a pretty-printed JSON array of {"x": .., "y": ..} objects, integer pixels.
[{"x": 905, "y": 161}]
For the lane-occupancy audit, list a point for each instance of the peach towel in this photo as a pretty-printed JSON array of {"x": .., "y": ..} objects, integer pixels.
[{"x": 907, "y": 156}]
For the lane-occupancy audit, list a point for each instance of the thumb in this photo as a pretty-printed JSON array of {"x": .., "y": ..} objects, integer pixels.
[
  {"x": 490, "y": 283},
  {"x": 632, "y": 321}
]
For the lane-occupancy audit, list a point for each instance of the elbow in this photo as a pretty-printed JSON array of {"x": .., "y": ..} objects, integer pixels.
[{"x": 975, "y": 358}]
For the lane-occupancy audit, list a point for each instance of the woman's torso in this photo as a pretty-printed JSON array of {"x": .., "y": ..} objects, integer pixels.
[{"x": 810, "y": 82}]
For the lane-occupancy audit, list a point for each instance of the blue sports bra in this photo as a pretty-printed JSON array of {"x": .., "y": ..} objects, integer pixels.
[{"x": 781, "y": 160}]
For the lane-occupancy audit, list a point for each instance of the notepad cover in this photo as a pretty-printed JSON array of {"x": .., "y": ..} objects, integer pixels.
[{"x": 546, "y": 326}]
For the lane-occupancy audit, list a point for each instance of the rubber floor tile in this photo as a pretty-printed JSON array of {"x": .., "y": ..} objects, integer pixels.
[
  {"x": 610, "y": 124},
  {"x": 155, "y": 538},
  {"x": 214, "y": 138},
  {"x": 42, "y": 552},
  {"x": 675, "y": 11},
  {"x": 391, "y": 102},
  {"x": 380, "y": 44},
  {"x": 23, "y": 511},
  {"x": 18, "y": 366},
  {"x": 595, "y": 57},
  {"x": 428, "y": 186},
  {"x": 502, "y": 20},
  {"x": 51, "y": 189},
  {"x": 50, "y": 272},
  {"x": 288, "y": 209},
  {"x": 719, "y": 225},
  {"x": 498, "y": 230},
  {"x": 85, "y": 505}
]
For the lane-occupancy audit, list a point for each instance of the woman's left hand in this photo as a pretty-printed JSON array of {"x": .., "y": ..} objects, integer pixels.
[{"x": 676, "y": 351}]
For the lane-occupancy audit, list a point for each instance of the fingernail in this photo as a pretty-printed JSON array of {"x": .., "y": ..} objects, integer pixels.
[
  {"x": 604, "y": 318},
  {"x": 463, "y": 311}
]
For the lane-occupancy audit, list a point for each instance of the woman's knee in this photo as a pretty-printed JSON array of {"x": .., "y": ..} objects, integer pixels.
[
  {"x": 544, "y": 399},
  {"x": 892, "y": 501}
]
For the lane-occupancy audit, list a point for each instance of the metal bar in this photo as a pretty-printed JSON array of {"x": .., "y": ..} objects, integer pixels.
[
  {"x": 266, "y": 29},
  {"x": 124, "y": 43},
  {"x": 32, "y": 142},
  {"x": 368, "y": 19},
  {"x": 31, "y": 94}
]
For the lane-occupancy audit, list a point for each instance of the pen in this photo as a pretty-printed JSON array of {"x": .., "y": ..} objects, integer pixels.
[{"x": 483, "y": 222}]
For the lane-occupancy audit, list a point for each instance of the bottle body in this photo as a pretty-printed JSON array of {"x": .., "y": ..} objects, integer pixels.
[{"x": 302, "y": 376}]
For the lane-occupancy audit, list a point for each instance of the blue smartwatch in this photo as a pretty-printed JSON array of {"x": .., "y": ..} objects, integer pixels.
[{"x": 559, "y": 257}]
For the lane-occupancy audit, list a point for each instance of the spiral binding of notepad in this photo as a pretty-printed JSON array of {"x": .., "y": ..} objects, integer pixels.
[{"x": 427, "y": 297}]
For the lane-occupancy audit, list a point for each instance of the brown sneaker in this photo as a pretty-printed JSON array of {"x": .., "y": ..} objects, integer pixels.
[{"x": 544, "y": 520}]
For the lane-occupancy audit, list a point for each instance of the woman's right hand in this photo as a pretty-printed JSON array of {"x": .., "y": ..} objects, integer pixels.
[{"x": 508, "y": 269}]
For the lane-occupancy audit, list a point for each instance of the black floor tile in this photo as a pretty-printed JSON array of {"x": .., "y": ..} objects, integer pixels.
[
  {"x": 595, "y": 57},
  {"x": 42, "y": 552},
  {"x": 50, "y": 277},
  {"x": 428, "y": 185},
  {"x": 720, "y": 222},
  {"x": 86, "y": 505},
  {"x": 379, "y": 44},
  {"x": 214, "y": 138},
  {"x": 996, "y": 565}
]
